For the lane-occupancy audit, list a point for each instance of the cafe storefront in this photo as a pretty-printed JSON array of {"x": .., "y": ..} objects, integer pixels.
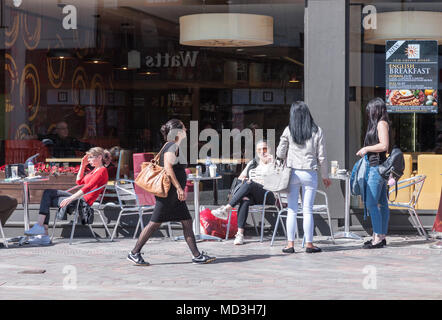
[{"x": 116, "y": 70}]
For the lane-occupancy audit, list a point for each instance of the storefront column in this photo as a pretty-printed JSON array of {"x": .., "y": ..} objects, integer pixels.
[{"x": 326, "y": 83}]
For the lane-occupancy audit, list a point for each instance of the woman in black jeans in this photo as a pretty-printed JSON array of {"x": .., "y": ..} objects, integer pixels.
[{"x": 251, "y": 191}]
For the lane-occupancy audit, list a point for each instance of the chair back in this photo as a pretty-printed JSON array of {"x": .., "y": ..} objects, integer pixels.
[
  {"x": 416, "y": 182},
  {"x": 281, "y": 200},
  {"x": 145, "y": 198},
  {"x": 126, "y": 193}
]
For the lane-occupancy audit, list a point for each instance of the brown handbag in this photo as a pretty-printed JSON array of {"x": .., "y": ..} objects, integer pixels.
[{"x": 153, "y": 178}]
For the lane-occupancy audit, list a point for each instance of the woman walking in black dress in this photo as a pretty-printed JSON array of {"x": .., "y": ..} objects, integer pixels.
[{"x": 173, "y": 207}]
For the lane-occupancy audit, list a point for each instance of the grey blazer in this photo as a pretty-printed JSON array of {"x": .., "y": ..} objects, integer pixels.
[{"x": 309, "y": 156}]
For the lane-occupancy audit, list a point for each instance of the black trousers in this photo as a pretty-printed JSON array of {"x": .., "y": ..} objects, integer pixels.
[
  {"x": 53, "y": 198},
  {"x": 7, "y": 207},
  {"x": 250, "y": 193}
]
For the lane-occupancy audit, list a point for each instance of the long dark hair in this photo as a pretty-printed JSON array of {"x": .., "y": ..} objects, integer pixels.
[
  {"x": 302, "y": 126},
  {"x": 375, "y": 111},
  {"x": 170, "y": 125}
]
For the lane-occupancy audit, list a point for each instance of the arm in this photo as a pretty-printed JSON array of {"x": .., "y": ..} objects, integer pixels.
[
  {"x": 281, "y": 151},
  {"x": 322, "y": 159},
  {"x": 75, "y": 196},
  {"x": 383, "y": 144},
  {"x": 243, "y": 174},
  {"x": 169, "y": 160},
  {"x": 80, "y": 174}
]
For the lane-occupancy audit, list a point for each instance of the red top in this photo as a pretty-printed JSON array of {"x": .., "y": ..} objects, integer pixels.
[{"x": 91, "y": 181}]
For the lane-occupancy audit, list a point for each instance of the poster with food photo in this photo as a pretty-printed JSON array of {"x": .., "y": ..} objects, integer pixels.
[{"x": 412, "y": 76}]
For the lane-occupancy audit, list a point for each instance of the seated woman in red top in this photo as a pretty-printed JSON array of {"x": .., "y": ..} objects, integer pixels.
[{"x": 96, "y": 178}]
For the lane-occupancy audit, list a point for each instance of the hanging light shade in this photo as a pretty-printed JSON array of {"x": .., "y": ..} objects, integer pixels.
[
  {"x": 226, "y": 30},
  {"x": 405, "y": 25}
]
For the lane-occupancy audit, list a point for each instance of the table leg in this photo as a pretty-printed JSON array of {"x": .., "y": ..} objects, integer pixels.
[
  {"x": 347, "y": 234},
  {"x": 196, "y": 220},
  {"x": 25, "y": 204},
  {"x": 215, "y": 192}
]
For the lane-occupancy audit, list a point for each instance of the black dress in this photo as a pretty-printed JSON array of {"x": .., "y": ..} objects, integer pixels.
[{"x": 170, "y": 208}]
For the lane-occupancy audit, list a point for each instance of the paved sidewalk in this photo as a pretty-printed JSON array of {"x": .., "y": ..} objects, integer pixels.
[{"x": 406, "y": 269}]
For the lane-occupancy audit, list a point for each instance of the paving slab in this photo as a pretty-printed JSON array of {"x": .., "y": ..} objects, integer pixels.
[{"x": 406, "y": 269}]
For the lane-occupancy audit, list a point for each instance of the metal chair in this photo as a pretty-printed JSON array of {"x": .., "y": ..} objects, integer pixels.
[
  {"x": 417, "y": 182},
  {"x": 259, "y": 208},
  {"x": 129, "y": 204},
  {"x": 76, "y": 214},
  {"x": 317, "y": 209}
]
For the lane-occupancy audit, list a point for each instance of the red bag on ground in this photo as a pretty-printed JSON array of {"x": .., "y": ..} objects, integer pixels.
[{"x": 217, "y": 227}]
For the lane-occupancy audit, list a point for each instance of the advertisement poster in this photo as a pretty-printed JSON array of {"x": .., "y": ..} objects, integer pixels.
[{"x": 411, "y": 76}]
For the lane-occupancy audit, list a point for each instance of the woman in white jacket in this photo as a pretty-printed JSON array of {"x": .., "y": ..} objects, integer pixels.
[{"x": 302, "y": 144}]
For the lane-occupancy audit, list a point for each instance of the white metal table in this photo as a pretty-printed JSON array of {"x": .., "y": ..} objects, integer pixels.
[
  {"x": 346, "y": 233},
  {"x": 25, "y": 182},
  {"x": 196, "y": 198}
]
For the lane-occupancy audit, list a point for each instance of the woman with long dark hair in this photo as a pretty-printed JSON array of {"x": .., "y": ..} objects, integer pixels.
[
  {"x": 173, "y": 207},
  {"x": 302, "y": 144},
  {"x": 376, "y": 145}
]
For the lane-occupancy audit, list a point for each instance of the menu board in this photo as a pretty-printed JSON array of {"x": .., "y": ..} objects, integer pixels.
[{"x": 411, "y": 76}]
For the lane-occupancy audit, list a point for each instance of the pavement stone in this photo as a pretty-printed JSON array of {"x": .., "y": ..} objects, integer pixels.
[{"x": 406, "y": 269}]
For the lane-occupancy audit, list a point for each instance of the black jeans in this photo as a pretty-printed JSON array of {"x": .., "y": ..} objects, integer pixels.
[
  {"x": 53, "y": 198},
  {"x": 250, "y": 193}
]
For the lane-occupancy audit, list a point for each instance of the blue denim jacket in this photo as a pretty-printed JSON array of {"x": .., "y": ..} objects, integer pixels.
[{"x": 359, "y": 178}]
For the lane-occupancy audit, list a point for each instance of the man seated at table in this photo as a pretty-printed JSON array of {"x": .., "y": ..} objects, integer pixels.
[
  {"x": 7, "y": 207},
  {"x": 63, "y": 145}
]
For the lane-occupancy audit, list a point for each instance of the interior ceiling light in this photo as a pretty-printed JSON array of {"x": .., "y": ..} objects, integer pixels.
[
  {"x": 95, "y": 60},
  {"x": 60, "y": 54},
  {"x": 226, "y": 30},
  {"x": 293, "y": 80},
  {"x": 405, "y": 25}
]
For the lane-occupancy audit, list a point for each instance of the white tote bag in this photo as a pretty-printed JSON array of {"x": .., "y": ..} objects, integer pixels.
[{"x": 276, "y": 176}]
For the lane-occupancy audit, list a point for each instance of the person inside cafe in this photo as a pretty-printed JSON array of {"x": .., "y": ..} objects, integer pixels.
[
  {"x": 250, "y": 191},
  {"x": 7, "y": 207},
  {"x": 95, "y": 157},
  {"x": 62, "y": 145}
]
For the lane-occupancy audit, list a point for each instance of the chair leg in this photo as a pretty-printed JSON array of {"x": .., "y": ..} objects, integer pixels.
[
  {"x": 330, "y": 227},
  {"x": 116, "y": 226},
  {"x": 5, "y": 241},
  {"x": 262, "y": 224},
  {"x": 93, "y": 233},
  {"x": 228, "y": 225},
  {"x": 104, "y": 223},
  {"x": 136, "y": 229},
  {"x": 276, "y": 229},
  {"x": 169, "y": 227},
  {"x": 74, "y": 222},
  {"x": 424, "y": 233},
  {"x": 254, "y": 224},
  {"x": 53, "y": 227}
]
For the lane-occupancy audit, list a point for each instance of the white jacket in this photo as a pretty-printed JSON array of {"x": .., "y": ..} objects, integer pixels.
[{"x": 305, "y": 156}]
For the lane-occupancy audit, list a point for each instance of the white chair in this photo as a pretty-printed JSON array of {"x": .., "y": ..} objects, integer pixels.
[
  {"x": 322, "y": 208},
  {"x": 418, "y": 183},
  {"x": 260, "y": 208},
  {"x": 129, "y": 205},
  {"x": 76, "y": 214}
]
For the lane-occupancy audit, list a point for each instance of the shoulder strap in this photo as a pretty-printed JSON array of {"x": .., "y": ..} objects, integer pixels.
[{"x": 157, "y": 157}]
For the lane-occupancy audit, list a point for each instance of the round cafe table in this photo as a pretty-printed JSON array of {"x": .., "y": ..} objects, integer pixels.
[
  {"x": 346, "y": 233},
  {"x": 196, "y": 199},
  {"x": 25, "y": 183}
]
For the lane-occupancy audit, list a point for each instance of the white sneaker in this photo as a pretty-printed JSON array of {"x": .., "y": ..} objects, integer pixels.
[
  {"x": 221, "y": 213},
  {"x": 239, "y": 239},
  {"x": 35, "y": 230},
  {"x": 39, "y": 240}
]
